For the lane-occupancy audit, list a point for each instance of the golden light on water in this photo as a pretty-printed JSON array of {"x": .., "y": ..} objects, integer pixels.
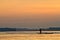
[{"x": 30, "y": 37}]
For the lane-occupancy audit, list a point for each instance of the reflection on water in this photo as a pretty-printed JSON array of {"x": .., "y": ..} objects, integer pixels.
[
  {"x": 30, "y": 37},
  {"x": 54, "y": 32},
  {"x": 31, "y": 32},
  {"x": 21, "y": 32}
]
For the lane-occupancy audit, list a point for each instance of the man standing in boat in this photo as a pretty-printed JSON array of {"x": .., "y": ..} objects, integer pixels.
[{"x": 40, "y": 31}]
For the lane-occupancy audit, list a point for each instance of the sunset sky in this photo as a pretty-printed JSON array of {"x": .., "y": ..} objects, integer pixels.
[{"x": 29, "y": 13}]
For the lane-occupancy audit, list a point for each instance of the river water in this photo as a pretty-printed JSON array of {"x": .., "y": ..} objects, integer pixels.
[{"x": 31, "y": 32}]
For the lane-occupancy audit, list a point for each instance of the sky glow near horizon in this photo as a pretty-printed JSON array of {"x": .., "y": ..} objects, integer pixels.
[{"x": 29, "y": 13}]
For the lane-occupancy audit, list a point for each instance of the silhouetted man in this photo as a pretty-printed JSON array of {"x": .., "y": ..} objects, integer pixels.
[{"x": 40, "y": 31}]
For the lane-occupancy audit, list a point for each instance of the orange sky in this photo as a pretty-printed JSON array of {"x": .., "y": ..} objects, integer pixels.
[
  {"x": 30, "y": 12},
  {"x": 34, "y": 6}
]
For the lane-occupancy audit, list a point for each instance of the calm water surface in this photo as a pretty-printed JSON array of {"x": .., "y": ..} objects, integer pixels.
[{"x": 31, "y": 32}]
